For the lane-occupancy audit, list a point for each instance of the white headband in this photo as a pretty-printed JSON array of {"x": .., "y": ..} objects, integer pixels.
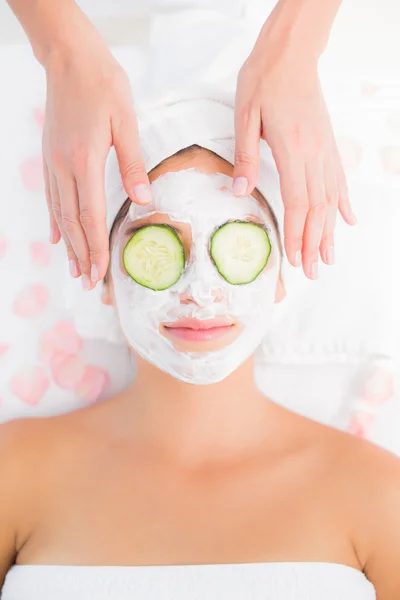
[
  {"x": 203, "y": 118},
  {"x": 180, "y": 121}
]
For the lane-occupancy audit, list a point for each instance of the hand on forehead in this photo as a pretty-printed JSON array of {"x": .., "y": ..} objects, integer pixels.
[{"x": 202, "y": 200}]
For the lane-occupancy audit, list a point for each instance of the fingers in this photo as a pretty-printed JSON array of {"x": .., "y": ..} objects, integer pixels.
[
  {"x": 316, "y": 218},
  {"x": 55, "y": 234},
  {"x": 91, "y": 227},
  {"x": 58, "y": 216},
  {"x": 312, "y": 192},
  {"x": 247, "y": 148},
  {"x": 295, "y": 199},
  {"x": 327, "y": 246},
  {"x": 343, "y": 194},
  {"x": 127, "y": 147}
]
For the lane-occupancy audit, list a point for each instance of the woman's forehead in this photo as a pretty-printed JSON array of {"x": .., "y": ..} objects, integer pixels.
[
  {"x": 201, "y": 200},
  {"x": 197, "y": 205},
  {"x": 165, "y": 218}
]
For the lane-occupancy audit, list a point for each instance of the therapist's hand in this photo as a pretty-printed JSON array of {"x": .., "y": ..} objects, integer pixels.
[
  {"x": 89, "y": 108},
  {"x": 279, "y": 99}
]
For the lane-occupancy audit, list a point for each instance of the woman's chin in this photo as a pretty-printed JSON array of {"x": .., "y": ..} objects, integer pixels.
[{"x": 201, "y": 340}]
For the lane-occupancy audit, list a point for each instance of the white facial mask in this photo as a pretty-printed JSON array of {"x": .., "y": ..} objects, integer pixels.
[{"x": 197, "y": 199}]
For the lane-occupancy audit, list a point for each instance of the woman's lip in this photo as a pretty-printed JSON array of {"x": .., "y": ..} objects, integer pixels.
[
  {"x": 199, "y": 335},
  {"x": 199, "y": 325}
]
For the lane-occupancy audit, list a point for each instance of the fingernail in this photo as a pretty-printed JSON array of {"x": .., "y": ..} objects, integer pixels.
[
  {"x": 353, "y": 216},
  {"x": 240, "y": 185},
  {"x": 52, "y": 236},
  {"x": 314, "y": 270},
  {"x": 94, "y": 274},
  {"x": 142, "y": 193},
  {"x": 297, "y": 259},
  {"x": 85, "y": 282},
  {"x": 330, "y": 256},
  {"x": 73, "y": 268}
]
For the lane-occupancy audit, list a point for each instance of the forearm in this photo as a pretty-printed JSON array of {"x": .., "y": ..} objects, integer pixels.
[
  {"x": 51, "y": 25},
  {"x": 303, "y": 25}
]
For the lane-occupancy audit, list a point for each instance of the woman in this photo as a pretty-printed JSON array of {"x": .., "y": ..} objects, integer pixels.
[
  {"x": 190, "y": 483},
  {"x": 278, "y": 97}
]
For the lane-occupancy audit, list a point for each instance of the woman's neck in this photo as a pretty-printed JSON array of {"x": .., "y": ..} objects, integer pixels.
[{"x": 194, "y": 425}]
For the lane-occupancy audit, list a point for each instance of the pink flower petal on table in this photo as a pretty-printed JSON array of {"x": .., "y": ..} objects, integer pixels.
[
  {"x": 379, "y": 387},
  {"x": 61, "y": 338},
  {"x": 3, "y": 246},
  {"x": 39, "y": 117},
  {"x": 4, "y": 348},
  {"x": 356, "y": 429},
  {"x": 369, "y": 89},
  {"x": 360, "y": 424},
  {"x": 40, "y": 253},
  {"x": 390, "y": 159},
  {"x": 93, "y": 383},
  {"x": 350, "y": 152},
  {"x": 30, "y": 385},
  {"x": 67, "y": 370},
  {"x": 66, "y": 330},
  {"x": 32, "y": 173},
  {"x": 31, "y": 301}
]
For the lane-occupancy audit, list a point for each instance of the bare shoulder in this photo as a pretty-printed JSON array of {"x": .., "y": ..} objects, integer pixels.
[
  {"x": 379, "y": 524},
  {"x": 24, "y": 444},
  {"x": 17, "y": 449},
  {"x": 369, "y": 471},
  {"x": 353, "y": 456},
  {"x": 369, "y": 477},
  {"x": 361, "y": 458},
  {"x": 26, "y": 440},
  {"x": 32, "y": 451}
]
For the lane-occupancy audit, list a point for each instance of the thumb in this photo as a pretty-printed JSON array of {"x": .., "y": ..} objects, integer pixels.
[
  {"x": 130, "y": 161},
  {"x": 247, "y": 149}
]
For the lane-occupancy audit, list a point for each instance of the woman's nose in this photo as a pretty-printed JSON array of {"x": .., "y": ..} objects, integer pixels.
[
  {"x": 200, "y": 293},
  {"x": 202, "y": 285}
]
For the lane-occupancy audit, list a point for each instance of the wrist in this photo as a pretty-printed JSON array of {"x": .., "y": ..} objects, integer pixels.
[
  {"x": 53, "y": 27},
  {"x": 299, "y": 28}
]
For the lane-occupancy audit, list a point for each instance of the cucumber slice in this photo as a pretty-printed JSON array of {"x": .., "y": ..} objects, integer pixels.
[
  {"x": 154, "y": 257},
  {"x": 240, "y": 251}
]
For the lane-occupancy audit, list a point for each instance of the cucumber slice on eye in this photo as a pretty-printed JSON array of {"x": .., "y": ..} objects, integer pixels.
[
  {"x": 154, "y": 257},
  {"x": 240, "y": 251}
]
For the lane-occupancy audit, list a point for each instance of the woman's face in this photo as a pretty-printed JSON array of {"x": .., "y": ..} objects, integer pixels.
[{"x": 195, "y": 275}]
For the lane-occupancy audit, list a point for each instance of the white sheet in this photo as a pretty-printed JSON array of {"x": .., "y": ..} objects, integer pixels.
[{"x": 344, "y": 328}]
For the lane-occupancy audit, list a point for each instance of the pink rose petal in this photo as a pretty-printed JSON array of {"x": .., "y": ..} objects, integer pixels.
[
  {"x": 350, "y": 152},
  {"x": 360, "y": 424},
  {"x": 369, "y": 89},
  {"x": 4, "y": 348},
  {"x": 47, "y": 347},
  {"x": 32, "y": 173},
  {"x": 390, "y": 158},
  {"x": 66, "y": 330},
  {"x": 3, "y": 246},
  {"x": 67, "y": 370},
  {"x": 30, "y": 385},
  {"x": 379, "y": 387},
  {"x": 93, "y": 383},
  {"x": 31, "y": 301},
  {"x": 356, "y": 429},
  {"x": 40, "y": 253},
  {"x": 39, "y": 117},
  {"x": 61, "y": 338}
]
